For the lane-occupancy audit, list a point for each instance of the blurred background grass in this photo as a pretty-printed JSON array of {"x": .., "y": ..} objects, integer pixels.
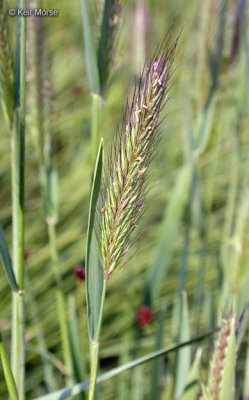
[{"x": 210, "y": 87}]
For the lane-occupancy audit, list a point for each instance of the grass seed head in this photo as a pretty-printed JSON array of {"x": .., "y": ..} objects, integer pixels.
[
  {"x": 218, "y": 361},
  {"x": 126, "y": 180}
]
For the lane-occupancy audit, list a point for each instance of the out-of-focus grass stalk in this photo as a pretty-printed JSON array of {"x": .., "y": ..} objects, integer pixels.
[
  {"x": 36, "y": 71},
  {"x": 95, "y": 347},
  {"x": 7, "y": 73},
  {"x": 76, "y": 389},
  {"x": 140, "y": 27},
  {"x": 156, "y": 372},
  {"x": 10, "y": 382},
  {"x": 17, "y": 171},
  {"x": 100, "y": 60},
  {"x": 47, "y": 367},
  {"x": 245, "y": 44},
  {"x": 60, "y": 300},
  {"x": 82, "y": 325},
  {"x": 40, "y": 123},
  {"x": 202, "y": 50},
  {"x": 93, "y": 79},
  {"x": 77, "y": 354}
]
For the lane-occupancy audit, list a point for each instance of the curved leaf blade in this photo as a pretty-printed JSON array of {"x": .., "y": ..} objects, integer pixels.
[
  {"x": 72, "y": 391},
  {"x": 94, "y": 270},
  {"x": 10, "y": 382},
  {"x": 6, "y": 261}
]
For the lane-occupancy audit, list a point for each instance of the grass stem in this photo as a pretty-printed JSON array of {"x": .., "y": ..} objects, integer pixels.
[
  {"x": 95, "y": 348},
  {"x": 61, "y": 304},
  {"x": 12, "y": 390},
  {"x": 17, "y": 171}
]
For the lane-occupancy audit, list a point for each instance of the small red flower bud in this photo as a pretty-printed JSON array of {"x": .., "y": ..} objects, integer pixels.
[
  {"x": 79, "y": 271},
  {"x": 144, "y": 315},
  {"x": 26, "y": 254}
]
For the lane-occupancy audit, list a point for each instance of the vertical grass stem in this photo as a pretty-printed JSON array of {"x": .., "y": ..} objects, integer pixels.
[
  {"x": 61, "y": 306},
  {"x": 17, "y": 168},
  {"x": 95, "y": 348}
]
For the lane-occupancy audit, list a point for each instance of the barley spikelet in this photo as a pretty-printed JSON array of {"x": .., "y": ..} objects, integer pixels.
[
  {"x": 7, "y": 73},
  {"x": 125, "y": 187}
]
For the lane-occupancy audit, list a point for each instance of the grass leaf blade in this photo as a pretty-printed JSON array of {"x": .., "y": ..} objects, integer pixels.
[
  {"x": 68, "y": 392},
  {"x": 183, "y": 356},
  {"x": 90, "y": 51},
  {"x": 94, "y": 270},
  {"x": 12, "y": 390},
  {"x": 6, "y": 261}
]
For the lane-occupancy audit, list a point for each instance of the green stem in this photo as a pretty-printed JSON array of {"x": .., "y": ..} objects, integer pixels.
[
  {"x": 95, "y": 125},
  {"x": 76, "y": 389},
  {"x": 17, "y": 172},
  {"x": 95, "y": 348},
  {"x": 49, "y": 377},
  {"x": 61, "y": 304},
  {"x": 10, "y": 382}
]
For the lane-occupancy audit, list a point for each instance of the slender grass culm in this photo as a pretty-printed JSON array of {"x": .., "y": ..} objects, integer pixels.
[
  {"x": 12, "y": 91},
  {"x": 17, "y": 171},
  {"x": 100, "y": 60},
  {"x": 125, "y": 182},
  {"x": 40, "y": 124},
  {"x": 7, "y": 88}
]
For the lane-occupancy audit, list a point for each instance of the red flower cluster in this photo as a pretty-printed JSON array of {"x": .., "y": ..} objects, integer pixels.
[
  {"x": 79, "y": 272},
  {"x": 144, "y": 315}
]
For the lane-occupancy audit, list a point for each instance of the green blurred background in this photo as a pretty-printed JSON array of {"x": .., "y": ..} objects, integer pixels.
[{"x": 208, "y": 104}]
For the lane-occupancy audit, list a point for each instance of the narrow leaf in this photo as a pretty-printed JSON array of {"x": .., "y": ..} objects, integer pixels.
[
  {"x": 94, "y": 270},
  {"x": 90, "y": 51},
  {"x": 6, "y": 261},
  {"x": 80, "y": 387},
  {"x": 12, "y": 390},
  {"x": 192, "y": 387},
  {"x": 204, "y": 124},
  {"x": 157, "y": 364},
  {"x": 78, "y": 362},
  {"x": 183, "y": 356}
]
